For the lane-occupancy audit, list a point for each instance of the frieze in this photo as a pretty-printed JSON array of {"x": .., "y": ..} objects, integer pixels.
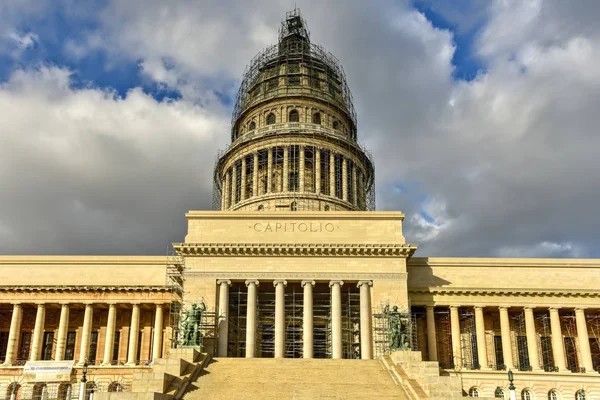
[
  {"x": 310, "y": 227},
  {"x": 74, "y": 288},
  {"x": 294, "y": 249},
  {"x": 296, "y": 275},
  {"x": 504, "y": 292}
]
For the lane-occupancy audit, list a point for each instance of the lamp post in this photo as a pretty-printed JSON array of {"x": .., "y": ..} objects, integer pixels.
[
  {"x": 92, "y": 393},
  {"x": 82, "y": 385},
  {"x": 511, "y": 387}
]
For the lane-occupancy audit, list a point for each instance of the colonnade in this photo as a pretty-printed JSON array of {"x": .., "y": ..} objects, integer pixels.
[
  {"x": 307, "y": 318},
  {"x": 35, "y": 352},
  {"x": 351, "y": 176},
  {"x": 558, "y": 349}
]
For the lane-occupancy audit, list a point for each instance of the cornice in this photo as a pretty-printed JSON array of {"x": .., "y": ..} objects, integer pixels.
[
  {"x": 85, "y": 288},
  {"x": 460, "y": 262},
  {"x": 83, "y": 260},
  {"x": 298, "y": 215},
  {"x": 298, "y": 276},
  {"x": 508, "y": 291},
  {"x": 293, "y": 249}
]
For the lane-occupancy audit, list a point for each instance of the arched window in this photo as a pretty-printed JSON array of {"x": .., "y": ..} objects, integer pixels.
[
  {"x": 294, "y": 206},
  {"x": 499, "y": 393},
  {"x": 261, "y": 208},
  {"x": 13, "y": 386},
  {"x": 65, "y": 391},
  {"x": 90, "y": 387},
  {"x": 316, "y": 119},
  {"x": 580, "y": 395},
  {"x": 40, "y": 392},
  {"x": 294, "y": 116},
  {"x": 336, "y": 125},
  {"x": 526, "y": 395},
  {"x": 270, "y": 119},
  {"x": 552, "y": 395},
  {"x": 252, "y": 125},
  {"x": 473, "y": 392},
  {"x": 115, "y": 387},
  {"x": 326, "y": 208}
]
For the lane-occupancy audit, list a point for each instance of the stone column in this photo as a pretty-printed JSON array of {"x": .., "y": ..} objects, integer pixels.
[
  {"x": 317, "y": 171},
  {"x": 331, "y": 173},
  {"x": 455, "y": 331},
  {"x": 431, "y": 334},
  {"x": 223, "y": 321},
  {"x": 243, "y": 180},
  {"x": 63, "y": 329},
  {"x": 109, "y": 343},
  {"x": 558, "y": 350},
  {"x": 336, "y": 319},
  {"x": 158, "y": 332},
  {"x": 234, "y": 173},
  {"x": 255, "y": 175},
  {"x": 344, "y": 179},
  {"x": 14, "y": 334},
  {"x": 480, "y": 334},
  {"x": 38, "y": 333},
  {"x": 252, "y": 284},
  {"x": 366, "y": 341},
  {"x": 301, "y": 170},
  {"x": 532, "y": 345},
  {"x": 134, "y": 334},
  {"x": 280, "y": 318},
  {"x": 505, "y": 333},
  {"x": 354, "y": 187},
  {"x": 86, "y": 333},
  {"x": 286, "y": 168},
  {"x": 269, "y": 170},
  {"x": 584, "y": 341},
  {"x": 307, "y": 320}
]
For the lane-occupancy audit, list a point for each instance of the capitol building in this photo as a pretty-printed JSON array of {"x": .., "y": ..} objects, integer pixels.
[{"x": 294, "y": 286}]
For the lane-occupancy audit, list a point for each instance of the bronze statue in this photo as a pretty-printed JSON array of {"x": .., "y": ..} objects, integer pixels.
[
  {"x": 190, "y": 326},
  {"x": 398, "y": 329}
]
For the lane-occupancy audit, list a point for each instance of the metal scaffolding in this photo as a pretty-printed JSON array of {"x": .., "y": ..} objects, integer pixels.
[
  {"x": 316, "y": 159},
  {"x": 443, "y": 332},
  {"x": 468, "y": 338}
]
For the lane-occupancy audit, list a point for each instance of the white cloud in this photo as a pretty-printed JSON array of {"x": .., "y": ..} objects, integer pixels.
[
  {"x": 84, "y": 169},
  {"x": 543, "y": 249}
]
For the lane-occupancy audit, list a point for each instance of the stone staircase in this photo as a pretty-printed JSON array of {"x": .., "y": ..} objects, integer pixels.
[
  {"x": 421, "y": 379},
  {"x": 268, "y": 378}
]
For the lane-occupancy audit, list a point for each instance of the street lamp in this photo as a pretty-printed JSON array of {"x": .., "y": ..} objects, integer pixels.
[
  {"x": 92, "y": 392},
  {"x": 83, "y": 381},
  {"x": 511, "y": 387},
  {"x": 13, "y": 393}
]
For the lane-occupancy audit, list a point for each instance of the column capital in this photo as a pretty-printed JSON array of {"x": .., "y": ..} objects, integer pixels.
[
  {"x": 224, "y": 281},
  {"x": 63, "y": 305},
  {"x": 554, "y": 309},
  {"x": 360, "y": 283},
  {"x": 454, "y": 307},
  {"x": 582, "y": 309},
  {"x": 135, "y": 304},
  {"x": 432, "y": 306},
  {"x": 308, "y": 282},
  {"x": 159, "y": 305},
  {"x": 252, "y": 281},
  {"x": 88, "y": 303},
  {"x": 503, "y": 307},
  {"x": 481, "y": 307},
  {"x": 112, "y": 304},
  {"x": 278, "y": 281},
  {"x": 40, "y": 304},
  {"x": 528, "y": 308},
  {"x": 332, "y": 283}
]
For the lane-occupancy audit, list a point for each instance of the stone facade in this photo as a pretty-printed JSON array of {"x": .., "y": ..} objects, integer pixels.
[{"x": 294, "y": 265}]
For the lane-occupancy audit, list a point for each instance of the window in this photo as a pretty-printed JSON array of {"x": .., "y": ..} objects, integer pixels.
[
  {"x": 65, "y": 391},
  {"x": 47, "y": 346},
  {"x": 294, "y": 116},
  {"x": 552, "y": 395},
  {"x": 294, "y": 80},
  {"x": 93, "y": 347},
  {"x": 70, "y": 348},
  {"x": 115, "y": 356},
  {"x": 294, "y": 206},
  {"x": 3, "y": 345},
  {"x": 13, "y": 386},
  {"x": 252, "y": 126},
  {"x": 526, "y": 395},
  {"x": 499, "y": 393},
  {"x": 326, "y": 208},
  {"x": 270, "y": 119},
  {"x": 40, "y": 392},
  {"x": 580, "y": 395},
  {"x": 115, "y": 387},
  {"x": 473, "y": 392},
  {"x": 316, "y": 119},
  {"x": 25, "y": 346},
  {"x": 336, "y": 125},
  {"x": 261, "y": 208}
]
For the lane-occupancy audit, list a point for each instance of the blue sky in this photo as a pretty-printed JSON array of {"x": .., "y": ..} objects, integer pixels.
[{"x": 481, "y": 116}]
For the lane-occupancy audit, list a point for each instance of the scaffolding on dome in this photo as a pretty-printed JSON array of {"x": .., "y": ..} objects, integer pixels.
[{"x": 295, "y": 176}]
